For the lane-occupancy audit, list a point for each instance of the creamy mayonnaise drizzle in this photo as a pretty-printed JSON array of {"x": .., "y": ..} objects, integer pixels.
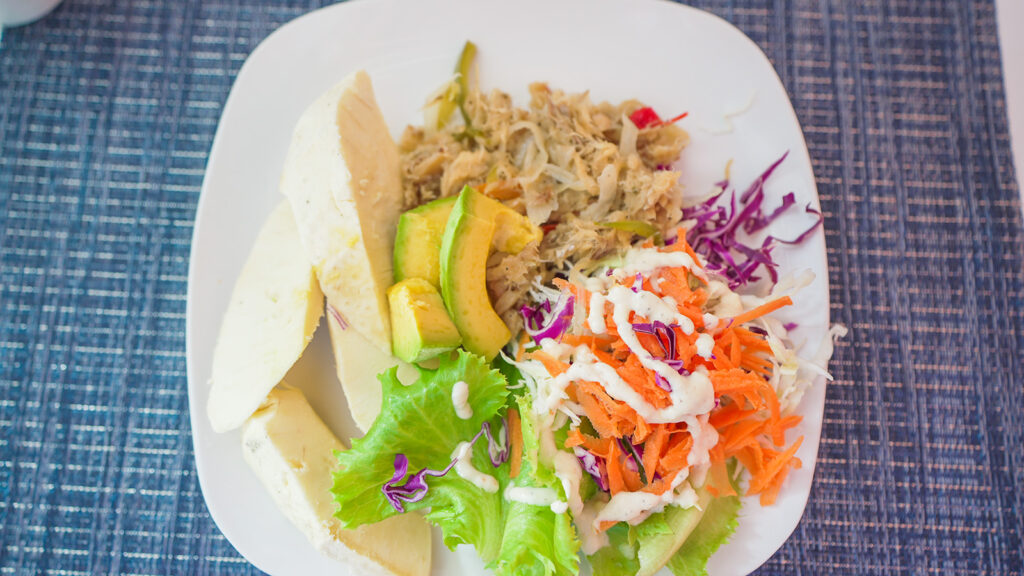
[
  {"x": 570, "y": 474},
  {"x": 710, "y": 321},
  {"x": 645, "y": 261},
  {"x": 627, "y": 506},
  {"x": 705, "y": 345},
  {"x": 530, "y": 495},
  {"x": 690, "y": 394},
  {"x": 635, "y": 507},
  {"x": 591, "y": 538},
  {"x": 729, "y": 303},
  {"x": 595, "y": 319},
  {"x": 704, "y": 439},
  {"x": 460, "y": 399},
  {"x": 646, "y": 304},
  {"x": 550, "y": 393},
  {"x": 465, "y": 469}
]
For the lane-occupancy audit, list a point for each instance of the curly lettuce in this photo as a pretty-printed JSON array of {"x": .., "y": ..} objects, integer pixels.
[{"x": 420, "y": 422}]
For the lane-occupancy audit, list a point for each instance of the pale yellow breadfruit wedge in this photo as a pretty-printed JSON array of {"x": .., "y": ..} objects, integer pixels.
[
  {"x": 358, "y": 362},
  {"x": 291, "y": 450},
  {"x": 342, "y": 178},
  {"x": 274, "y": 310}
]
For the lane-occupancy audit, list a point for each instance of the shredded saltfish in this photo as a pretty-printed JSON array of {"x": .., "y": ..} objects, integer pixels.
[{"x": 568, "y": 164}]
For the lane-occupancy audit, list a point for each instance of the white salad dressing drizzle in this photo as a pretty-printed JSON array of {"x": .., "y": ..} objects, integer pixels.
[
  {"x": 460, "y": 399},
  {"x": 559, "y": 506},
  {"x": 729, "y": 303},
  {"x": 704, "y": 439},
  {"x": 570, "y": 474},
  {"x": 646, "y": 304},
  {"x": 705, "y": 345},
  {"x": 591, "y": 538},
  {"x": 690, "y": 394},
  {"x": 685, "y": 497},
  {"x": 710, "y": 321},
  {"x": 555, "y": 349},
  {"x": 645, "y": 261},
  {"x": 635, "y": 507},
  {"x": 530, "y": 495},
  {"x": 546, "y": 433},
  {"x": 628, "y": 506},
  {"x": 595, "y": 319},
  {"x": 465, "y": 469}
]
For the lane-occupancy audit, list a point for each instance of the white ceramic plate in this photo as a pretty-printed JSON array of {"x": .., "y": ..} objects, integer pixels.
[{"x": 672, "y": 57}]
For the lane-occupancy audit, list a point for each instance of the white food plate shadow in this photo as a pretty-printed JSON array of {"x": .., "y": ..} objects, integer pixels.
[{"x": 672, "y": 57}]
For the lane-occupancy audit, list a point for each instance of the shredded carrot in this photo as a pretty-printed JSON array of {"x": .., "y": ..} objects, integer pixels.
[
  {"x": 761, "y": 310},
  {"x": 675, "y": 457},
  {"x": 592, "y": 342},
  {"x": 515, "y": 437},
  {"x": 551, "y": 364},
  {"x": 653, "y": 448},
  {"x": 598, "y": 417},
  {"x": 642, "y": 431},
  {"x": 729, "y": 414},
  {"x": 735, "y": 352},
  {"x": 575, "y": 438},
  {"x": 748, "y": 418},
  {"x": 616, "y": 482},
  {"x": 719, "y": 479},
  {"x": 632, "y": 478},
  {"x": 776, "y": 465}
]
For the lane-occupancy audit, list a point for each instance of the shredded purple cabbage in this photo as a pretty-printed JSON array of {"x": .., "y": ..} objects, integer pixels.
[
  {"x": 677, "y": 365},
  {"x": 415, "y": 487},
  {"x": 666, "y": 336},
  {"x": 714, "y": 229},
  {"x": 662, "y": 383},
  {"x": 546, "y": 322},
  {"x": 664, "y": 333},
  {"x": 412, "y": 490},
  {"x": 497, "y": 451},
  {"x": 592, "y": 464},
  {"x": 634, "y": 457}
]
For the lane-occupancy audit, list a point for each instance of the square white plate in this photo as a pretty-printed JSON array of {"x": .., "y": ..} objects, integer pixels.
[{"x": 672, "y": 57}]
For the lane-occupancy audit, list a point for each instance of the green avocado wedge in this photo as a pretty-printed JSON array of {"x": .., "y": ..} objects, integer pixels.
[
  {"x": 475, "y": 226},
  {"x": 420, "y": 326},
  {"x": 418, "y": 241},
  {"x": 657, "y": 549}
]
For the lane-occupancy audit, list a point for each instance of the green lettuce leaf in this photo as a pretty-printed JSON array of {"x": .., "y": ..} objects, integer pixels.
[
  {"x": 420, "y": 421},
  {"x": 645, "y": 548},
  {"x": 537, "y": 541},
  {"x": 619, "y": 557},
  {"x": 715, "y": 527}
]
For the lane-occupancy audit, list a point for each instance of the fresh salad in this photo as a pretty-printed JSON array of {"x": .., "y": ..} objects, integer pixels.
[
  {"x": 554, "y": 354},
  {"x": 599, "y": 368}
]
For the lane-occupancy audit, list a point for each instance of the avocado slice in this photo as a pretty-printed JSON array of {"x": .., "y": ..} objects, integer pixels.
[
  {"x": 421, "y": 328},
  {"x": 655, "y": 551},
  {"x": 476, "y": 224},
  {"x": 418, "y": 241}
]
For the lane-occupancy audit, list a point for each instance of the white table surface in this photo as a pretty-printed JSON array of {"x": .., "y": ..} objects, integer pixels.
[{"x": 1010, "y": 19}]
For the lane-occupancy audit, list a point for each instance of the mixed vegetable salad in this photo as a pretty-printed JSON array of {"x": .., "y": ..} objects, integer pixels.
[{"x": 644, "y": 386}]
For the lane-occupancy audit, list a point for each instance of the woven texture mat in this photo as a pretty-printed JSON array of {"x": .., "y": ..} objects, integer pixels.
[{"x": 107, "y": 113}]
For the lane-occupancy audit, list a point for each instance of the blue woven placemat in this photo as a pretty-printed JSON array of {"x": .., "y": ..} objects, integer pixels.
[{"x": 107, "y": 113}]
